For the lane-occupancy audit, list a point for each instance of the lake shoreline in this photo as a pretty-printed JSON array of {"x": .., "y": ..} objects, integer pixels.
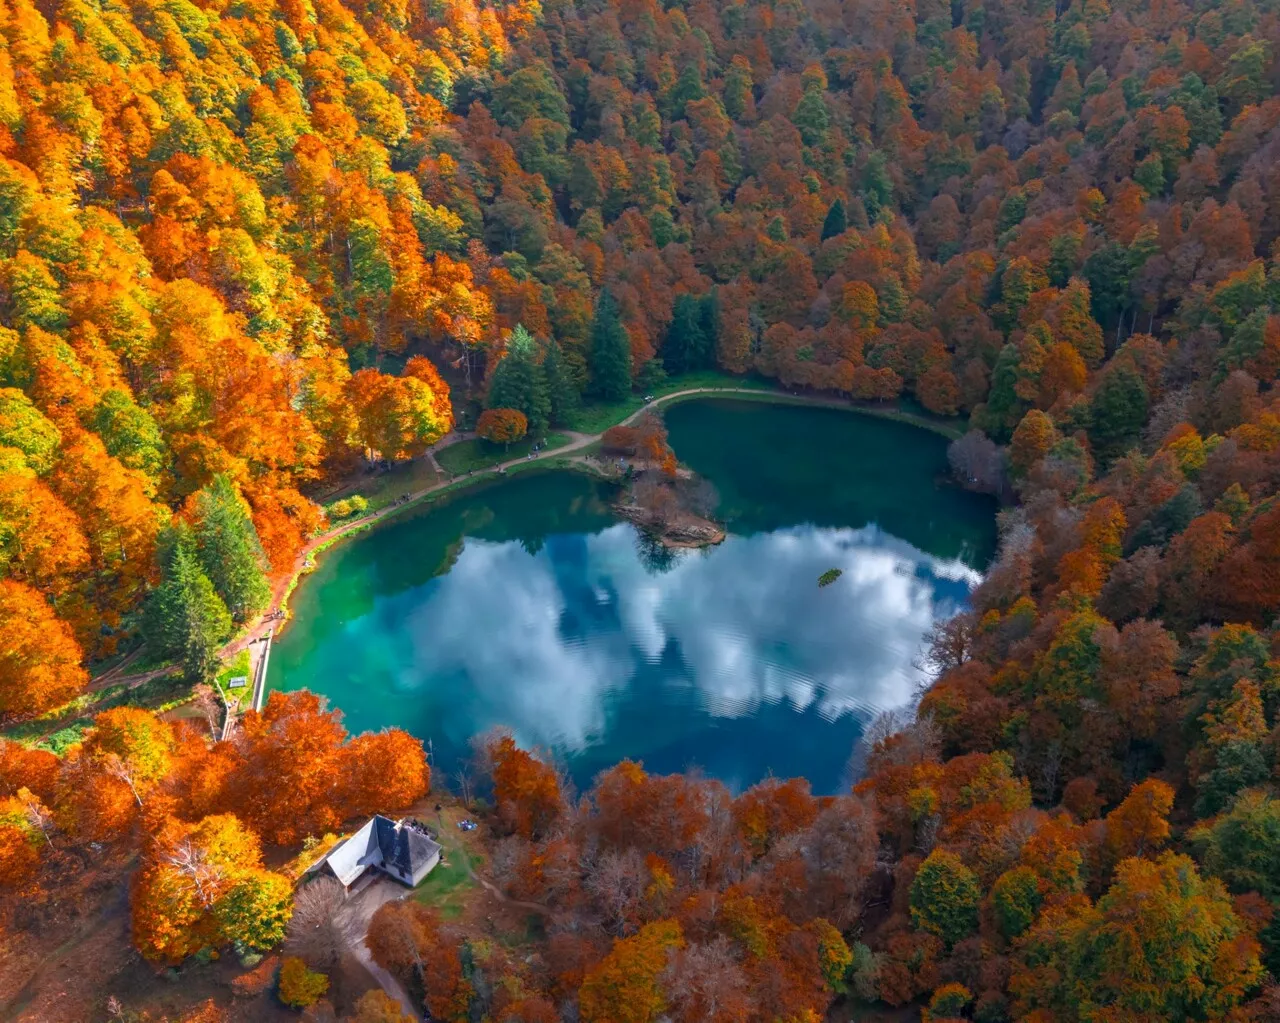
[
  {"x": 687, "y": 532},
  {"x": 559, "y": 462},
  {"x": 544, "y": 607},
  {"x": 276, "y": 615}
]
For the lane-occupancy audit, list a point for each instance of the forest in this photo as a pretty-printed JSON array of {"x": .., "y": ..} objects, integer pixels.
[{"x": 248, "y": 246}]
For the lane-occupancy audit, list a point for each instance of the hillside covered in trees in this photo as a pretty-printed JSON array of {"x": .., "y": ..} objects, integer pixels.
[{"x": 244, "y": 245}]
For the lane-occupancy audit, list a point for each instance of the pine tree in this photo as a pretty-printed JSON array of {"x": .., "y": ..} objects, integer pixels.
[
  {"x": 229, "y": 549},
  {"x": 562, "y": 392},
  {"x": 683, "y": 336},
  {"x": 877, "y": 185},
  {"x": 185, "y": 617},
  {"x": 690, "y": 340},
  {"x": 610, "y": 351},
  {"x": 709, "y": 318},
  {"x": 1117, "y": 412},
  {"x": 837, "y": 221},
  {"x": 737, "y": 88},
  {"x": 688, "y": 87},
  {"x": 520, "y": 382}
]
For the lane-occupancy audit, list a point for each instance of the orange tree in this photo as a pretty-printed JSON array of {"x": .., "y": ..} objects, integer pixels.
[{"x": 502, "y": 425}]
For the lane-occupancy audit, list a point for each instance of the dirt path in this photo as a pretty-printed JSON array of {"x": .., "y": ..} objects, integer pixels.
[
  {"x": 281, "y": 585},
  {"x": 501, "y": 896},
  {"x": 359, "y": 911}
]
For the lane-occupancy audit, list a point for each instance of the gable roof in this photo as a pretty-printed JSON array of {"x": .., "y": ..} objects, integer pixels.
[
  {"x": 395, "y": 846},
  {"x": 404, "y": 847},
  {"x": 358, "y": 852}
]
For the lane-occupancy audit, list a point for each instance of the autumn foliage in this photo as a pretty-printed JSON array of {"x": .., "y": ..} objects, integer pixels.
[
  {"x": 244, "y": 247},
  {"x": 502, "y": 425}
]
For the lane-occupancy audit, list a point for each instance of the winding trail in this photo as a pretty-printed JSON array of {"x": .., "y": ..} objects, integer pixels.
[
  {"x": 501, "y": 896},
  {"x": 283, "y": 584}
]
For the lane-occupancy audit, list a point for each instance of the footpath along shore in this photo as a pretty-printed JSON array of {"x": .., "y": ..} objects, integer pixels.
[{"x": 272, "y": 617}]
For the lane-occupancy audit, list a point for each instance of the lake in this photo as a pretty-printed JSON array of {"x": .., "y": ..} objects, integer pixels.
[{"x": 525, "y": 603}]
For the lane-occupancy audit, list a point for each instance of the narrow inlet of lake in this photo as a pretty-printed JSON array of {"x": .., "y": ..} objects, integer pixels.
[{"x": 525, "y": 603}]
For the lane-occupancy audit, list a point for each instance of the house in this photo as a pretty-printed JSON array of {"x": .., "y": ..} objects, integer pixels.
[{"x": 401, "y": 849}]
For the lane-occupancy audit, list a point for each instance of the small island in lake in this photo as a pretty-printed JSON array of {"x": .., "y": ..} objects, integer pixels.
[
  {"x": 666, "y": 501},
  {"x": 830, "y": 576}
]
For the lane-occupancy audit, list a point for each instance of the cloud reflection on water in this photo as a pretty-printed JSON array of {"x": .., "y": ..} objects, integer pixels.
[{"x": 544, "y": 641}]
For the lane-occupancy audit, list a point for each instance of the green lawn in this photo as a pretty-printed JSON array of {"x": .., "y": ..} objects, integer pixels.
[
  {"x": 237, "y": 667},
  {"x": 468, "y": 455},
  {"x": 447, "y": 888},
  {"x": 599, "y": 416},
  {"x": 59, "y": 728},
  {"x": 382, "y": 488}
]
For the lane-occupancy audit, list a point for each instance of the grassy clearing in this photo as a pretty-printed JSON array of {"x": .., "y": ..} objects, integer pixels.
[
  {"x": 598, "y": 417},
  {"x": 381, "y": 488},
  {"x": 237, "y": 667},
  {"x": 448, "y": 888},
  {"x": 475, "y": 454},
  {"x": 64, "y": 726}
]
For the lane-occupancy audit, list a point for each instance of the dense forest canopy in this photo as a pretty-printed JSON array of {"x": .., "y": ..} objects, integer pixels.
[{"x": 241, "y": 241}]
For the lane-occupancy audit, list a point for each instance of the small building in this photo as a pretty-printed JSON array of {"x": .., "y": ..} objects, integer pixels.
[{"x": 401, "y": 849}]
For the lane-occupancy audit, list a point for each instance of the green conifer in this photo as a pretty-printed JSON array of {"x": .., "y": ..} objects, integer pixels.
[
  {"x": 837, "y": 221},
  {"x": 520, "y": 382},
  {"x": 562, "y": 392},
  {"x": 690, "y": 340},
  {"x": 184, "y": 616},
  {"x": 610, "y": 351},
  {"x": 229, "y": 549}
]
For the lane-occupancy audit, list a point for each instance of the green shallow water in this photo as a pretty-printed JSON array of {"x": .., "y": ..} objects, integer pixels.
[{"x": 526, "y": 603}]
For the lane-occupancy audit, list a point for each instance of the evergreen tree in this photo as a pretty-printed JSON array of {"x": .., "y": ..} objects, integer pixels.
[
  {"x": 877, "y": 185},
  {"x": 709, "y": 317},
  {"x": 684, "y": 336},
  {"x": 690, "y": 340},
  {"x": 837, "y": 221},
  {"x": 687, "y": 88},
  {"x": 737, "y": 88},
  {"x": 520, "y": 382},
  {"x": 184, "y": 616},
  {"x": 562, "y": 392},
  {"x": 229, "y": 549},
  {"x": 610, "y": 351},
  {"x": 811, "y": 117},
  {"x": 1117, "y": 412}
]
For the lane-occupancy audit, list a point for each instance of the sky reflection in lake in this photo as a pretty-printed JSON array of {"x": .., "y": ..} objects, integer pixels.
[
  {"x": 744, "y": 624},
  {"x": 525, "y": 603},
  {"x": 563, "y": 644}
]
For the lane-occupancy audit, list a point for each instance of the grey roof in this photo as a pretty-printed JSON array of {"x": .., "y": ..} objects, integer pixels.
[
  {"x": 393, "y": 846},
  {"x": 404, "y": 847},
  {"x": 361, "y": 850}
]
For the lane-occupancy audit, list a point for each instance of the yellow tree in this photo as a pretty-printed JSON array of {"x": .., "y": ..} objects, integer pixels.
[{"x": 624, "y": 986}]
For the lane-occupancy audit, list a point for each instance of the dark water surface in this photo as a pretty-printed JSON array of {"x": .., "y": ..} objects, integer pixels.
[{"x": 526, "y": 603}]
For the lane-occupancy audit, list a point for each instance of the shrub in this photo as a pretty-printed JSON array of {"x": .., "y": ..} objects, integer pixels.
[
  {"x": 348, "y": 506},
  {"x": 257, "y": 980},
  {"x": 300, "y": 987}
]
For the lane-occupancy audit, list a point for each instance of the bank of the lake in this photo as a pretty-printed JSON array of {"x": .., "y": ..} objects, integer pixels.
[{"x": 525, "y": 602}]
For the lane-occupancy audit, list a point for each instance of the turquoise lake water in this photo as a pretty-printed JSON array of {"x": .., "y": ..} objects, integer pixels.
[{"x": 525, "y": 603}]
